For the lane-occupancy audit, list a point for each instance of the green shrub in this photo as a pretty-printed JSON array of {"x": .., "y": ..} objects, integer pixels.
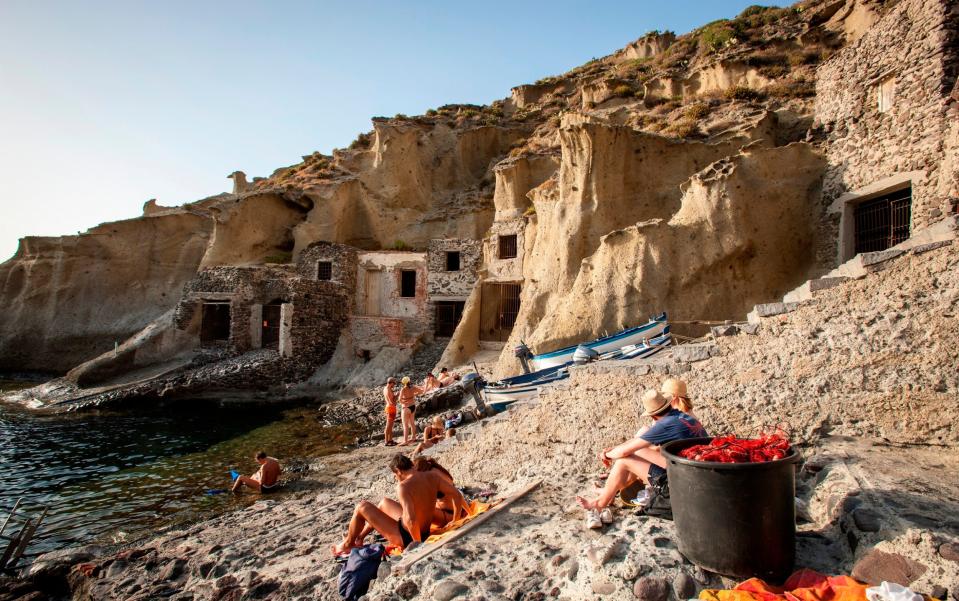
[
  {"x": 792, "y": 89},
  {"x": 401, "y": 116},
  {"x": 696, "y": 111},
  {"x": 742, "y": 92},
  {"x": 468, "y": 113},
  {"x": 530, "y": 210},
  {"x": 401, "y": 245},
  {"x": 773, "y": 71},
  {"x": 717, "y": 35},
  {"x": 683, "y": 128},
  {"x": 623, "y": 91},
  {"x": 432, "y": 113}
]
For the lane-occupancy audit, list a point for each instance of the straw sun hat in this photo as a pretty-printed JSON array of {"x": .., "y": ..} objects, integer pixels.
[
  {"x": 654, "y": 403},
  {"x": 673, "y": 387}
]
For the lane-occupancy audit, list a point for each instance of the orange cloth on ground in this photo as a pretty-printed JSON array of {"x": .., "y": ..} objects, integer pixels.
[
  {"x": 804, "y": 585},
  {"x": 438, "y": 533}
]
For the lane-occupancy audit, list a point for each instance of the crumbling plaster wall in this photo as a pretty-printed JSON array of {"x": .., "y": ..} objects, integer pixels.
[{"x": 917, "y": 43}]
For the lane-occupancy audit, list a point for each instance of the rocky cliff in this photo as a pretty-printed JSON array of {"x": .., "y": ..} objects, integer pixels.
[{"x": 671, "y": 174}]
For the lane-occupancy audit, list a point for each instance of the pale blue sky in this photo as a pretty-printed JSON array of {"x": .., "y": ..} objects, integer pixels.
[{"x": 104, "y": 105}]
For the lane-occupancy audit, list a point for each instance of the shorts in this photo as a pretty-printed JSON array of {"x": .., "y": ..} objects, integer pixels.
[{"x": 391, "y": 411}]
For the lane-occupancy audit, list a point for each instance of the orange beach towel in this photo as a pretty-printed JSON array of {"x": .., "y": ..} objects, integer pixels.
[
  {"x": 804, "y": 585},
  {"x": 476, "y": 508}
]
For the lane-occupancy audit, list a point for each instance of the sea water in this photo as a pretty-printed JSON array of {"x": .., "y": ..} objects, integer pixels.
[{"x": 113, "y": 477}]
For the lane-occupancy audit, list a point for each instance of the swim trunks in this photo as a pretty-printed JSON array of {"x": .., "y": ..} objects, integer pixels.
[
  {"x": 407, "y": 537},
  {"x": 391, "y": 411}
]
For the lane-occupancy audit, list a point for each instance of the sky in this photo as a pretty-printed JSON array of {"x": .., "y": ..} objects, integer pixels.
[{"x": 105, "y": 105}]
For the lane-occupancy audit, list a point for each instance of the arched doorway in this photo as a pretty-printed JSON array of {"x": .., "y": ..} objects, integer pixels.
[{"x": 271, "y": 324}]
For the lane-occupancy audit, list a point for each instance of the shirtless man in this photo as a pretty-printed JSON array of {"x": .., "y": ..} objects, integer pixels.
[
  {"x": 264, "y": 480},
  {"x": 408, "y": 519},
  {"x": 407, "y": 397},
  {"x": 431, "y": 383},
  {"x": 446, "y": 378},
  {"x": 390, "y": 395}
]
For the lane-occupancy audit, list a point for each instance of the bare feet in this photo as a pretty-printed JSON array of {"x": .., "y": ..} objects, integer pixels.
[
  {"x": 341, "y": 549},
  {"x": 586, "y": 503}
]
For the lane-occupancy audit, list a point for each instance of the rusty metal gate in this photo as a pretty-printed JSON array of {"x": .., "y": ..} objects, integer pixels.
[
  {"x": 448, "y": 315},
  {"x": 500, "y": 306},
  {"x": 883, "y": 222},
  {"x": 271, "y": 324}
]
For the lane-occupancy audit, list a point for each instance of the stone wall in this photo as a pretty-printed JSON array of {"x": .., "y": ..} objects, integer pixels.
[
  {"x": 452, "y": 285},
  {"x": 387, "y": 267},
  {"x": 342, "y": 257},
  {"x": 916, "y": 44},
  {"x": 505, "y": 270},
  {"x": 319, "y": 309}
]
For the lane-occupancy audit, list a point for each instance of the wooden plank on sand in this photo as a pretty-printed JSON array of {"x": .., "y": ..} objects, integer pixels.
[{"x": 421, "y": 552}]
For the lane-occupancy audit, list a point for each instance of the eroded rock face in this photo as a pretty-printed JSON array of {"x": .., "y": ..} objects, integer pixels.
[
  {"x": 68, "y": 299},
  {"x": 743, "y": 232}
]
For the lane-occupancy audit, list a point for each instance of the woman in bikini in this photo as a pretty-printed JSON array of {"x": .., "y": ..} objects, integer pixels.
[{"x": 408, "y": 394}]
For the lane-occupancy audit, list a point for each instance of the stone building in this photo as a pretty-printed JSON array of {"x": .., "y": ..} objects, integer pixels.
[
  {"x": 392, "y": 305},
  {"x": 891, "y": 138},
  {"x": 453, "y": 265},
  {"x": 299, "y": 310}
]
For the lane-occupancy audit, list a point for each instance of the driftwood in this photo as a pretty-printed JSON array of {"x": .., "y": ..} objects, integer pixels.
[{"x": 425, "y": 550}]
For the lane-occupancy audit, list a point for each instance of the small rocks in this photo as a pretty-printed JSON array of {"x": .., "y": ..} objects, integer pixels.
[
  {"x": 877, "y": 566},
  {"x": 603, "y": 587},
  {"x": 449, "y": 589},
  {"x": 938, "y": 592},
  {"x": 173, "y": 570},
  {"x": 949, "y": 551},
  {"x": 651, "y": 588},
  {"x": 685, "y": 587},
  {"x": 407, "y": 589},
  {"x": 866, "y": 520}
]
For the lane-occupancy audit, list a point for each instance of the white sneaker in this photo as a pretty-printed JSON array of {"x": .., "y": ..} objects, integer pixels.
[
  {"x": 593, "y": 520},
  {"x": 606, "y": 515}
]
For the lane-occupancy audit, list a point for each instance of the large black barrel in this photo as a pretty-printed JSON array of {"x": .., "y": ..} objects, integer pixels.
[{"x": 736, "y": 519}]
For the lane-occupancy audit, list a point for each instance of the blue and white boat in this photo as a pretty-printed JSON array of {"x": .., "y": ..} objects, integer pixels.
[{"x": 606, "y": 344}]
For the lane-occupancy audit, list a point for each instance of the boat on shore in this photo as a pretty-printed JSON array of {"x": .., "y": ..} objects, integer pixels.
[
  {"x": 628, "y": 337},
  {"x": 502, "y": 393}
]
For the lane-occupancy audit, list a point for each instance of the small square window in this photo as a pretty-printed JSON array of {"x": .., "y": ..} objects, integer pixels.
[
  {"x": 887, "y": 94},
  {"x": 453, "y": 260},
  {"x": 408, "y": 284},
  {"x": 507, "y": 247},
  {"x": 324, "y": 270}
]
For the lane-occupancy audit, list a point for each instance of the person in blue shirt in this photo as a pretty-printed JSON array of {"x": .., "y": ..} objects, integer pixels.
[{"x": 640, "y": 457}]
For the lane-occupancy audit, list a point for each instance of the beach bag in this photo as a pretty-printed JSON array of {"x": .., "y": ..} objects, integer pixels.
[
  {"x": 359, "y": 570},
  {"x": 658, "y": 504}
]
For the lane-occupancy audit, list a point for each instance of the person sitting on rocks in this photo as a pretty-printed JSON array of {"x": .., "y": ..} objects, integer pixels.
[
  {"x": 445, "y": 506},
  {"x": 431, "y": 383},
  {"x": 640, "y": 458},
  {"x": 446, "y": 378},
  {"x": 432, "y": 434},
  {"x": 265, "y": 478},
  {"x": 407, "y": 396},
  {"x": 673, "y": 389},
  {"x": 408, "y": 518},
  {"x": 390, "y": 395}
]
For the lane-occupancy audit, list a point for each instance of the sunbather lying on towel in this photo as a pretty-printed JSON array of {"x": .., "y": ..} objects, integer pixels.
[
  {"x": 409, "y": 518},
  {"x": 640, "y": 458}
]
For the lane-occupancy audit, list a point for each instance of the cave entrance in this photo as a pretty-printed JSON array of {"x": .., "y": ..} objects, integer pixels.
[
  {"x": 272, "y": 313},
  {"x": 499, "y": 309},
  {"x": 448, "y": 315},
  {"x": 215, "y": 323},
  {"x": 883, "y": 222}
]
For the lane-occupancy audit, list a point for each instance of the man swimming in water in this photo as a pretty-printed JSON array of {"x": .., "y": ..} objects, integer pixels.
[
  {"x": 264, "y": 480},
  {"x": 408, "y": 519}
]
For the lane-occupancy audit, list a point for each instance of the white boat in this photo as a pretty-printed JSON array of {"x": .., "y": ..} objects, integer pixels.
[{"x": 606, "y": 344}]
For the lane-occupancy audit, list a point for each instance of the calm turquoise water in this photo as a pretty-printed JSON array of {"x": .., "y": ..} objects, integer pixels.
[{"x": 114, "y": 477}]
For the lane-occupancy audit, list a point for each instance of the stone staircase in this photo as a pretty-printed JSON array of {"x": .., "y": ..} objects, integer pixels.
[{"x": 935, "y": 236}]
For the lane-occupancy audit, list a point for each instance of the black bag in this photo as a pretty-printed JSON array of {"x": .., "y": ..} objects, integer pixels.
[
  {"x": 658, "y": 505},
  {"x": 359, "y": 570}
]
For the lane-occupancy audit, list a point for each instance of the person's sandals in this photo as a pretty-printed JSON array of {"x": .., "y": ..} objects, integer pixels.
[
  {"x": 391, "y": 443},
  {"x": 606, "y": 515},
  {"x": 593, "y": 521}
]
